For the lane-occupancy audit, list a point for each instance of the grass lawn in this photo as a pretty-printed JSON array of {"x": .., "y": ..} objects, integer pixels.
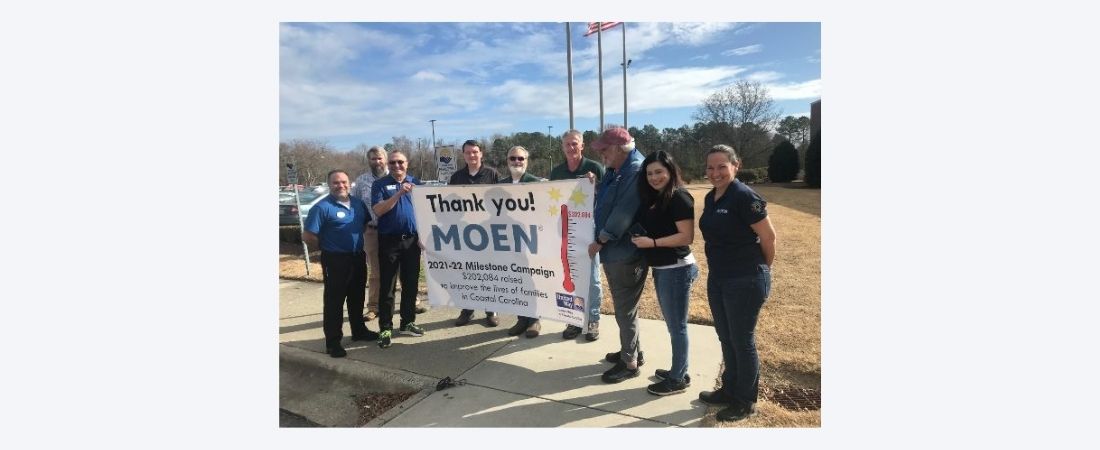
[{"x": 789, "y": 330}]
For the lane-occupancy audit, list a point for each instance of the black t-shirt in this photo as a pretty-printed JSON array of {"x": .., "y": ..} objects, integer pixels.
[
  {"x": 659, "y": 224},
  {"x": 486, "y": 175},
  {"x": 732, "y": 247}
]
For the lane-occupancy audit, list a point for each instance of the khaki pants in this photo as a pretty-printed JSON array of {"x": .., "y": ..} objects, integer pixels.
[{"x": 374, "y": 271}]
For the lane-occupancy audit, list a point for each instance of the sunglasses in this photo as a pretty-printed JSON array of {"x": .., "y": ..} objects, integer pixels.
[
  {"x": 517, "y": 158},
  {"x": 397, "y": 163}
]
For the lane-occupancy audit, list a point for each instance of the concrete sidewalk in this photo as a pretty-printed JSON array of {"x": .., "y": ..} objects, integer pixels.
[{"x": 510, "y": 381}]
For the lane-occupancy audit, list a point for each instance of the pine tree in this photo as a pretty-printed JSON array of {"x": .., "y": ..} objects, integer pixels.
[
  {"x": 783, "y": 164},
  {"x": 813, "y": 162}
]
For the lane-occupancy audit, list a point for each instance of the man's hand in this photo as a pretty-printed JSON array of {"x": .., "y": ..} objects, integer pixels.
[{"x": 593, "y": 249}]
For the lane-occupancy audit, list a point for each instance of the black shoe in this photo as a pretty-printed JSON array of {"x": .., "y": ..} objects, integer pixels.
[
  {"x": 519, "y": 327},
  {"x": 618, "y": 373},
  {"x": 571, "y": 332},
  {"x": 336, "y": 352},
  {"x": 615, "y": 357},
  {"x": 736, "y": 411},
  {"x": 368, "y": 336},
  {"x": 533, "y": 329},
  {"x": 714, "y": 397},
  {"x": 667, "y": 387},
  {"x": 421, "y": 309},
  {"x": 662, "y": 374},
  {"x": 464, "y": 317},
  {"x": 491, "y": 319},
  {"x": 385, "y": 338}
]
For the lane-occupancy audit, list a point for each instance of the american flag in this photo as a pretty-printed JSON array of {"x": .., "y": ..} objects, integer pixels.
[{"x": 592, "y": 26}]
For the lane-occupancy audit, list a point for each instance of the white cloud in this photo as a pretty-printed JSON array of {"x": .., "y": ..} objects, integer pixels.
[
  {"x": 764, "y": 77},
  {"x": 746, "y": 50},
  {"x": 795, "y": 91},
  {"x": 425, "y": 75}
]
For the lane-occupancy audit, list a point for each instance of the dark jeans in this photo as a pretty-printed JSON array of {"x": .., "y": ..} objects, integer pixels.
[
  {"x": 735, "y": 303},
  {"x": 626, "y": 280},
  {"x": 398, "y": 255},
  {"x": 345, "y": 276}
]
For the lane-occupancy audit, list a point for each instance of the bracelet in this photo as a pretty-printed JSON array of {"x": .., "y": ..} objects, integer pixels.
[{"x": 654, "y": 243}]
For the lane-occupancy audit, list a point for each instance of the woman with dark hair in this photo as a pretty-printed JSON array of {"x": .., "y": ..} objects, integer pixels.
[
  {"x": 740, "y": 248},
  {"x": 664, "y": 228}
]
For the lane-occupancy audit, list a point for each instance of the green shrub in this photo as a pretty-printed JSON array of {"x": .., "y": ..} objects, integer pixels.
[
  {"x": 747, "y": 175},
  {"x": 783, "y": 163}
]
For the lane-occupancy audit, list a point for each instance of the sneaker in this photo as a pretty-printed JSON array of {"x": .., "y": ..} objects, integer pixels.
[
  {"x": 491, "y": 319},
  {"x": 384, "y": 338},
  {"x": 618, "y": 373},
  {"x": 571, "y": 332},
  {"x": 533, "y": 329},
  {"x": 336, "y": 352},
  {"x": 368, "y": 336},
  {"x": 593, "y": 332},
  {"x": 464, "y": 317},
  {"x": 411, "y": 329},
  {"x": 615, "y": 357},
  {"x": 662, "y": 374},
  {"x": 714, "y": 397},
  {"x": 736, "y": 411},
  {"x": 667, "y": 387},
  {"x": 519, "y": 327}
]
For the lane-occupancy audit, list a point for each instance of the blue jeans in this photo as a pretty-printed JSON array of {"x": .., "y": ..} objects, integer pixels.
[
  {"x": 735, "y": 303},
  {"x": 673, "y": 288},
  {"x": 595, "y": 292}
]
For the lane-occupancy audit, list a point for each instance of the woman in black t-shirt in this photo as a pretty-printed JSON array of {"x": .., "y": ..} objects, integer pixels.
[
  {"x": 664, "y": 228},
  {"x": 740, "y": 246}
]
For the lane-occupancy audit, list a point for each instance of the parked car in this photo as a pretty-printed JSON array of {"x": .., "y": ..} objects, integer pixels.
[{"x": 289, "y": 211}]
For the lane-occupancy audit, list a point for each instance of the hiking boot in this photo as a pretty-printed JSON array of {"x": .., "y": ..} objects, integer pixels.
[
  {"x": 571, "y": 331},
  {"x": 519, "y": 327},
  {"x": 736, "y": 411},
  {"x": 384, "y": 338},
  {"x": 667, "y": 387},
  {"x": 368, "y": 336},
  {"x": 594, "y": 332},
  {"x": 336, "y": 351},
  {"x": 533, "y": 329},
  {"x": 618, "y": 373},
  {"x": 411, "y": 329},
  {"x": 617, "y": 356},
  {"x": 464, "y": 317},
  {"x": 714, "y": 397},
  {"x": 491, "y": 319},
  {"x": 662, "y": 374}
]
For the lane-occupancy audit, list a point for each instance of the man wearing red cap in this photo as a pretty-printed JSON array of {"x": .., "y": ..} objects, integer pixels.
[{"x": 623, "y": 264}]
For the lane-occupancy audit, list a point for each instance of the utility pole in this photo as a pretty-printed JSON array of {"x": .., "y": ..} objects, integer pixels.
[
  {"x": 434, "y": 155},
  {"x": 550, "y": 152}
]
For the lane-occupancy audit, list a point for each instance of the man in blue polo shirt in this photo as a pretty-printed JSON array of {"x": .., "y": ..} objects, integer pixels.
[
  {"x": 335, "y": 225},
  {"x": 398, "y": 247}
]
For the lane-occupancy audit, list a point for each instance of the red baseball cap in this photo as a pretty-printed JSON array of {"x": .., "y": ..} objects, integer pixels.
[{"x": 612, "y": 136}]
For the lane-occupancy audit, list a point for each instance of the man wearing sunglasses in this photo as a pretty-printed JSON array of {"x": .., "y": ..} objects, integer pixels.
[
  {"x": 474, "y": 173},
  {"x": 398, "y": 247},
  {"x": 517, "y": 169}
]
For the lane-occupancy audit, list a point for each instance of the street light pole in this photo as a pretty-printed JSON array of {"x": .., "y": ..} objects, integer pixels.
[
  {"x": 550, "y": 152},
  {"x": 434, "y": 155}
]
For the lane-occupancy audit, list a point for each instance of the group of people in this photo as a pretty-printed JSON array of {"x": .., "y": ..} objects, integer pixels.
[{"x": 644, "y": 219}]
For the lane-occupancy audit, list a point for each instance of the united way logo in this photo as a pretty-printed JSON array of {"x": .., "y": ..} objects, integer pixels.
[{"x": 570, "y": 302}]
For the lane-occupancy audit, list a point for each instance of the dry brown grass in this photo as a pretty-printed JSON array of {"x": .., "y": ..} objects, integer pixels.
[{"x": 789, "y": 330}]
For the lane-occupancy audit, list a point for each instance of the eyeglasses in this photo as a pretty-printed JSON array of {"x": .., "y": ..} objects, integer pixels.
[
  {"x": 517, "y": 158},
  {"x": 397, "y": 163}
]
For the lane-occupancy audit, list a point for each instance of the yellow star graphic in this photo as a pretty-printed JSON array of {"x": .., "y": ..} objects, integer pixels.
[
  {"x": 554, "y": 210},
  {"x": 578, "y": 197},
  {"x": 555, "y": 194}
]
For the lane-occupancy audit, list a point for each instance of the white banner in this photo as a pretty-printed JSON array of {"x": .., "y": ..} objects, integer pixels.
[{"x": 510, "y": 248}]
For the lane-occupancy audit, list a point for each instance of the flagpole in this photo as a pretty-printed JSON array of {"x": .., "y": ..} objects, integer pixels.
[
  {"x": 569, "y": 67},
  {"x": 624, "y": 76},
  {"x": 599, "y": 57}
]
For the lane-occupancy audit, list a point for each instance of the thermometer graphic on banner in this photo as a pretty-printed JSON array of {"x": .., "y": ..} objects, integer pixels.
[{"x": 568, "y": 283}]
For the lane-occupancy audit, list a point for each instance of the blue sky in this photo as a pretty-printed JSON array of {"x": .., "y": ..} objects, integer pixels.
[{"x": 363, "y": 83}]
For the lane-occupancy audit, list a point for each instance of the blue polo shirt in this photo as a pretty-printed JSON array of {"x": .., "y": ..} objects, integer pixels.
[
  {"x": 400, "y": 219},
  {"x": 732, "y": 247},
  {"x": 338, "y": 228}
]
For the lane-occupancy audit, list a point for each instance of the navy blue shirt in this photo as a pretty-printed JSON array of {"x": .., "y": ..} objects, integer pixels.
[
  {"x": 400, "y": 219},
  {"x": 338, "y": 228},
  {"x": 732, "y": 247}
]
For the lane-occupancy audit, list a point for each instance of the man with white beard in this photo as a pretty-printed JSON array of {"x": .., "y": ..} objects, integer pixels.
[{"x": 517, "y": 168}]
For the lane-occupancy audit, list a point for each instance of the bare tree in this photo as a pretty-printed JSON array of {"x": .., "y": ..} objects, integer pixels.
[{"x": 749, "y": 113}]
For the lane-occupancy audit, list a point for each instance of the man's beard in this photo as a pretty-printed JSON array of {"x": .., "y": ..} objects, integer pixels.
[
  {"x": 378, "y": 171},
  {"x": 517, "y": 172}
]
